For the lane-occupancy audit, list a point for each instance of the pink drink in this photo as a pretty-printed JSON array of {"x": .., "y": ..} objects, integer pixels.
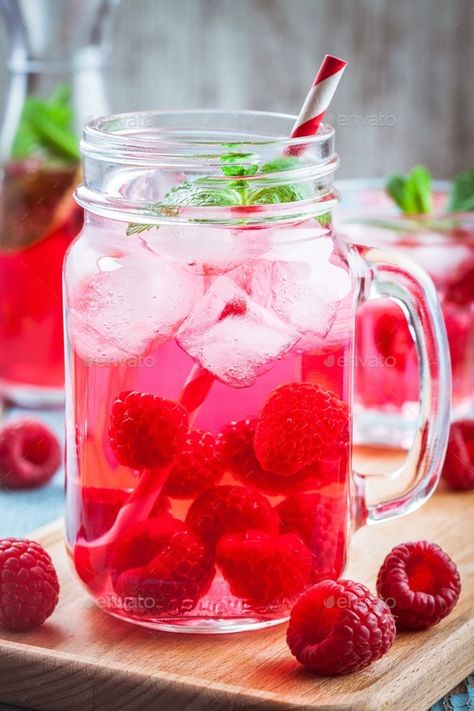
[
  {"x": 98, "y": 486},
  {"x": 39, "y": 219},
  {"x": 387, "y": 365},
  {"x": 210, "y": 329}
]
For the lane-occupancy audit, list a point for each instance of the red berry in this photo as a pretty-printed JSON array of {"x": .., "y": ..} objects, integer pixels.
[
  {"x": 263, "y": 568},
  {"x": 29, "y": 587},
  {"x": 458, "y": 322},
  {"x": 29, "y": 454},
  {"x": 161, "y": 567},
  {"x": 195, "y": 468},
  {"x": 299, "y": 423},
  {"x": 461, "y": 288},
  {"x": 100, "y": 507},
  {"x": 339, "y": 627},
  {"x": 392, "y": 336},
  {"x": 420, "y": 582},
  {"x": 147, "y": 431},
  {"x": 237, "y": 307},
  {"x": 458, "y": 470},
  {"x": 321, "y": 522},
  {"x": 237, "y": 452},
  {"x": 230, "y": 509}
]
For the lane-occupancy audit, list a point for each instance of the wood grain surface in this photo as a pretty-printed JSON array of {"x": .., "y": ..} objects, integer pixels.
[{"x": 84, "y": 660}]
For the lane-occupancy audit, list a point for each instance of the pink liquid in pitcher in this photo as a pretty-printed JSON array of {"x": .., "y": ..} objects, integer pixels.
[
  {"x": 256, "y": 315},
  {"x": 39, "y": 221}
]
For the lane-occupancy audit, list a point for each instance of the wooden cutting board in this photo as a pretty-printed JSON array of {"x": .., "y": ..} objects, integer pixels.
[{"x": 84, "y": 660}]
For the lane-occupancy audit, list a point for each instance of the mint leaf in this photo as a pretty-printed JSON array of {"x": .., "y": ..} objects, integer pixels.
[
  {"x": 396, "y": 190},
  {"x": 325, "y": 219},
  {"x": 192, "y": 194},
  {"x": 418, "y": 188},
  {"x": 45, "y": 128},
  {"x": 233, "y": 164},
  {"x": 281, "y": 163},
  {"x": 276, "y": 194},
  {"x": 412, "y": 193},
  {"x": 135, "y": 228},
  {"x": 461, "y": 198}
]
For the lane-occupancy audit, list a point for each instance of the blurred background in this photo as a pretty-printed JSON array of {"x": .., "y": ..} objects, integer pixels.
[{"x": 406, "y": 97}]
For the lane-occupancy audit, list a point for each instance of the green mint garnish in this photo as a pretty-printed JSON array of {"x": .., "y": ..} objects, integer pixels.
[
  {"x": 461, "y": 198},
  {"x": 198, "y": 193},
  {"x": 412, "y": 193},
  {"x": 236, "y": 164},
  {"x": 45, "y": 129},
  {"x": 135, "y": 228},
  {"x": 281, "y": 163},
  {"x": 189, "y": 194}
]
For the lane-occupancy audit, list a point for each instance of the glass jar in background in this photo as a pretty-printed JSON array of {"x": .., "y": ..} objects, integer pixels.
[
  {"x": 386, "y": 373},
  {"x": 210, "y": 316},
  {"x": 55, "y": 81}
]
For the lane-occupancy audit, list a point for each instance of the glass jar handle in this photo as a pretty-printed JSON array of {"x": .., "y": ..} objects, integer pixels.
[{"x": 395, "y": 277}]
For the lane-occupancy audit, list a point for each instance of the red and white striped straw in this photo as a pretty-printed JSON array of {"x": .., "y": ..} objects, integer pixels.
[{"x": 319, "y": 96}]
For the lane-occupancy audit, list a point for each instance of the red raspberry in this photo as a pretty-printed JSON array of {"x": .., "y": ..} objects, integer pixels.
[
  {"x": 161, "y": 567},
  {"x": 458, "y": 322},
  {"x": 421, "y": 584},
  {"x": 100, "y": 506},
  {"x": 392, "y": 336},
  {"x": 196, "y": 467},
  {"x": 458, "y": 468},
  {"x": 230, "y": 509},
  {"x": 321, "y": 522},
  {"x": 339, "y": 627},
  {"x": 237, "y": 452},
  {"x": 29, "y": 454},
  {"x": 264, "y": 569},
  {"x": 146, "y": 431},
  {"x": 461, "y": 289},
  {"x": 299, "y": 423},
  {"x": 29, "y": 587}
]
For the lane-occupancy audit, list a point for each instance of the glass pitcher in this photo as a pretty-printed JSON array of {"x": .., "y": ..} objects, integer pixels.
[
  {"x": 56, "y": 58},
  {"x": 210, "y": 316}
]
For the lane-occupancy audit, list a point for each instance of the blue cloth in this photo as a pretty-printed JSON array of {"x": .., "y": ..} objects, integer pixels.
[{"x": 23, "y": 512}]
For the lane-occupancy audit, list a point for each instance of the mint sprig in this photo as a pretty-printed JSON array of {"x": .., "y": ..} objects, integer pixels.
[
  {"x": 235, "y": 164},
  {"x": 45, "y": 129},
  {"x": 461, "y": 198},
  {"x": 412, "y": 193}
]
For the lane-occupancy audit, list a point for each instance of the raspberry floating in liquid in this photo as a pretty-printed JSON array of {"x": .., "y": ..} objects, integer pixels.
[
  {"x": 458, "y": 470},
  {"x": 196, "y": 467},
  {"x": 147, "y": 431},
  {"x": 263, "y": 568},
  {"x": 299, "y": 423},
  {"x": 230, "y": 509}
]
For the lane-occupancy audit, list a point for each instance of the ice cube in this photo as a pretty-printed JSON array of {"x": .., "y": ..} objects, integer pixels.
[
  {"x": 232, "y": 336},
  {"x": 208, "y": 251},
  {"x": 255, "y": 278},
  {"x": 127, "y": 306}
]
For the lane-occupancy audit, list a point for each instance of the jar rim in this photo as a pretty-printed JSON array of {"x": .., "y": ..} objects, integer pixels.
[
  {"x": 194, "y": 145},
  {"x": 150, "y": 134}
]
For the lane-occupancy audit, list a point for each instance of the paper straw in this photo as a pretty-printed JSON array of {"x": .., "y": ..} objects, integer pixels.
[{"x": 319, "y": 96}]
